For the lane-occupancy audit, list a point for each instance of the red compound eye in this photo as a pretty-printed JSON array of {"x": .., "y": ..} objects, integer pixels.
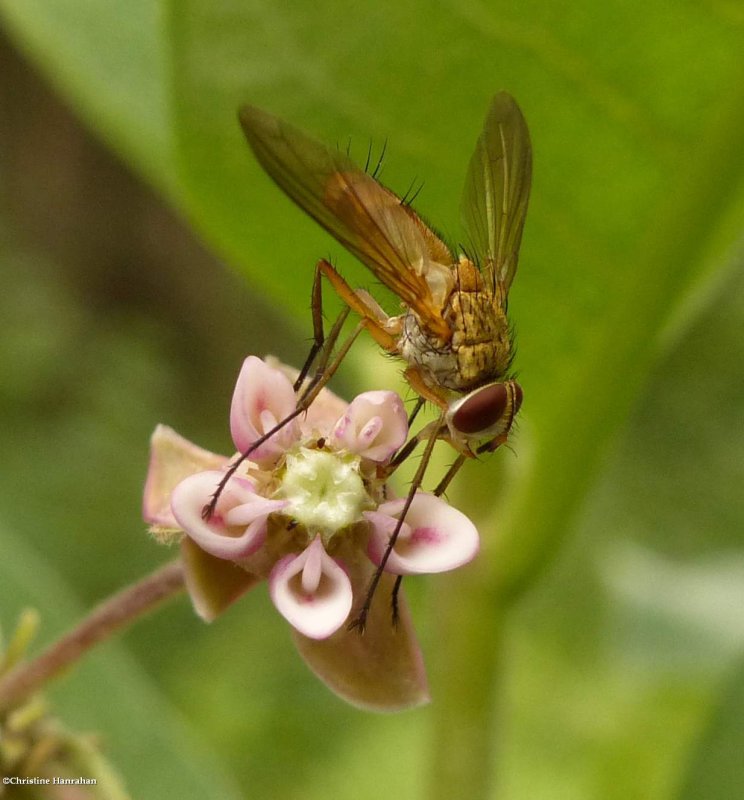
[{"x": 484, "y": 408}]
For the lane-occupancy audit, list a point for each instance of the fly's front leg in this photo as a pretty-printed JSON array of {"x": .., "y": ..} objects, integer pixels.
[
  {"x": 416, "y": 381},
  {"x": 412, "y": 416},
  {"x": 361, "y": 620},
  {"x": 438, "y": 492},
  {"x": 407, "y": 449},
  {"x": 449, "y": 475}
]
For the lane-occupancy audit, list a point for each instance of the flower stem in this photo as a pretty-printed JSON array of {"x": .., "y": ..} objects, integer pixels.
[
  {"x": 465, "y": 686},
  {"x": 104, "y": 621}
]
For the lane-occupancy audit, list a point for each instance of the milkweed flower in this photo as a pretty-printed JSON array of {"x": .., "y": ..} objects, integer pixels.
[{"x": 309, "y": 512}]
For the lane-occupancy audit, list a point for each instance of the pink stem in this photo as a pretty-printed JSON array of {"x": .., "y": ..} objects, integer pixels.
[{"x": 109, "y": 617}]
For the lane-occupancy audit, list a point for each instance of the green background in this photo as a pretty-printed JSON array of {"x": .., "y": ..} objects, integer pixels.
[{"x": 612, "y": 563}]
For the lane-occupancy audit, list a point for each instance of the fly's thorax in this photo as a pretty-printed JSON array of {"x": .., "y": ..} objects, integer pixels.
[
  {"x": 478, "y": 352},
  {"x": 480, "y": 338},
  {"x": 434, "y": 357},
  {"x": 479, "y": 349}
]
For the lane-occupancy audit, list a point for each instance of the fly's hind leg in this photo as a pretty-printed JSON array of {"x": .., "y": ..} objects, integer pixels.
[
  {"x": 322, "y": 350},
  {"x": 308, "y": 395},
  {"x": 316, "y": 307},
  {"x": 374, "y": 318}
]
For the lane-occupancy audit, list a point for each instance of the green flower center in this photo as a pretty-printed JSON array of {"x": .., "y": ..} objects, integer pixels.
[{"x": 326, "y": 492}]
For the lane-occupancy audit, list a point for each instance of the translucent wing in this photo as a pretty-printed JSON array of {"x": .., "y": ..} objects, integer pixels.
[
  {"x": 368, "y": 219},
  {"x": 497, "y": 190}
]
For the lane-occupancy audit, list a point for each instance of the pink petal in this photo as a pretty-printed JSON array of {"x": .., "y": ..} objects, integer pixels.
[
  {"x": 380, "y": 670},
  {"x": 374, "y": 425},
  {"x": 311, "y": 591},
  {"x": 325, "y": 409},
  {"x": 435, "y": 537},
  {"x": 323, "y": 413},
  {"x": 262, "y": 398},
  {"x": 213, "y": 584},
  {"x": 172, "y": 458},
  {"x": 220, "y": 535},
  {"x": 252, "y": 510}
]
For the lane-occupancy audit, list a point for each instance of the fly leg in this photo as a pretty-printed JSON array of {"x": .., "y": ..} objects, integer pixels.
[
  {"x": 412, "y": 416},
  {"x": 322, "y": 375},
  {"x": 438, "y": 492},
  {"x": 322, "y": 348},
  {"x": 413, "y": 376},
  {"x": 374, "y": 318},
  {"x": 361, "y": 619},
  {"x": 316, "y": 307},
  {"x": 449, "y": 475}
]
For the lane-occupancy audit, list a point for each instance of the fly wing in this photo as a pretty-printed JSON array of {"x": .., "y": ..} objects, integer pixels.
[
  {"x": 368, "y": 219},
  {"x": 497, "y": 191}
]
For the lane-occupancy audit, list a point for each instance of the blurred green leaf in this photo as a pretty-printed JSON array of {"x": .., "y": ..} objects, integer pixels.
[
  {"x": 109, "y": 59},
  {"x": 716, "y": 765},
  {"x": 142, "y": 735},
  {"x": 637, "y": 121},
  {"x": 680, "y": 614},
  {"x": 621, "y": 655}
]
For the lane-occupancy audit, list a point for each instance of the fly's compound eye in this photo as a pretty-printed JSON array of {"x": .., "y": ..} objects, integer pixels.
[{"x": 485, "y": 412}]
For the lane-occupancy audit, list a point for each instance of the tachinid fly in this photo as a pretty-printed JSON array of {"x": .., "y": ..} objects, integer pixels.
[{"x": 453, "y": 332}]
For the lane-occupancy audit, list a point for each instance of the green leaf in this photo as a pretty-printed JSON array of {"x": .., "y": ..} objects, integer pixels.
[
  {"x": 716, "y": 767},
  {"x": 109, "y": 59},
  {"x": 621, "y": 653},
  {"x": 636, "y": 119}
]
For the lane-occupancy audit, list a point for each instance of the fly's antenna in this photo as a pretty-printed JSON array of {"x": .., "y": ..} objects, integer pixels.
[{"x": 369, "y": 157}]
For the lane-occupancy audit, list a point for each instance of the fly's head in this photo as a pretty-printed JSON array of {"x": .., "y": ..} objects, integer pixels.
[{"x": 485, "y": 414}]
